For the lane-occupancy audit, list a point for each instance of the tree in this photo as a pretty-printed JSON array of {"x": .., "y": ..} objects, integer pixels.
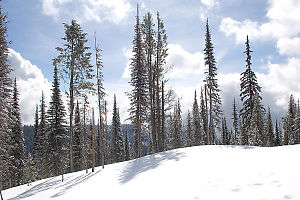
[
  {"x": 127, "y": 145},
  {"x": 235, "y": 124},
  {"x": 277, "y": 135},
  {"x": 30, "y": 173},
  {"x": 203, "y": 115},
  {"x": 288, "y": 122},
  {"x": 75, "y": 69},
  {"x": 43, "y": 170},
  {"x": 297, "y": 125},
  {"x": 56, "y": 119},
  {"x": 5, "y": 97},
  {"x": 101, "y": 94},
  {"x": 16, "y": 141},
  {"x": 138, "y": 95},
  {"x": 196, "y": 121},
  {"x": 36, "y": 149},
  {"x": 249, "y": 88},
  {"x": 77, "y": 143},
  {"x": 213, "y": 90},
  {"x": 176, "y": 127},
  {"x": 256, "y": 129},
  {"x": 117, "y": 138},
  {"x": 188, "y": 131},
  {"x": 269, "y": 130},
  {"x": 225, "y": 133}
]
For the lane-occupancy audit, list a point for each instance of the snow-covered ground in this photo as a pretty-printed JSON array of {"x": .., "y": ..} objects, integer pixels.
[{"x": 203, "y": 172}]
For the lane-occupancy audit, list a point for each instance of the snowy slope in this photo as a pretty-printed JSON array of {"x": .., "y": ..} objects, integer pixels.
[{"x": 203, "y": 172}]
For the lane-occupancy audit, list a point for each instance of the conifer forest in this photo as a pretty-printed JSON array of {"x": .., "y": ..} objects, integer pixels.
[{"x": 70, "y": 135}]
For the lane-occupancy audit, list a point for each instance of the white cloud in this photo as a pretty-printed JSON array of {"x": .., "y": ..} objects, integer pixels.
[
  {"x": 31, "y": 82},
  {"x": 87, "y": 10},
  {"x": 283, "y": 26},
  {"x": 184, "y": 64},
  {"x": 209, "y": 3}
]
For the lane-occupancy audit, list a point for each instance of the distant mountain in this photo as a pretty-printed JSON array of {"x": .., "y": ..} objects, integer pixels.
[{"x": 28, "y": 133}]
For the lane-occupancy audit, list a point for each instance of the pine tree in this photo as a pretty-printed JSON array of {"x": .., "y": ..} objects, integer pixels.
[
  {"x": 36, "y": 149},
  {"x": 203, "y": 115},
  {"x": 297, "y": 125},
  {"x": 127, "y": 146},
  {"x": 30, "y": 173},
  {"x": 269, "y": 130},
  {"x": 149, "y": 44},
  {"x": 256, "y": 129},
  {"x": 225, "y": 134},
  {"x": 77, "y": 143},
  {"x": 5, "y": 91},
  {"x": 101, "y": 94},
  {"x": 138, "y": 95},
  {"x": 43, "y": 170},
  {"x": 196, "y": 120},
  {"x": 117, "y": 138},
  {"x": 176, "y": 129},
  {"x": 277, "y": 135},
  {"x": 249, "y": 88},
  {"x": 235, "y": 124},
  {"x": 288, "y": 122},
  {"x": 56, "y": 114},
  {"x": 16, "y": 142},
  {"x": 76, "y": 69},
  {"x": 188, "y": 131},
  {"x": 213, "y": 90}
]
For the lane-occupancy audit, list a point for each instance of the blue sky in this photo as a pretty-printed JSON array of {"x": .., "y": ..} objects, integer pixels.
[{"x": 35, "y": 28}]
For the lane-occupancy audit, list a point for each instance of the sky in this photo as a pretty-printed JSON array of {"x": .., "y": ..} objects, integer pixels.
[{"x": 35, "y": 28}]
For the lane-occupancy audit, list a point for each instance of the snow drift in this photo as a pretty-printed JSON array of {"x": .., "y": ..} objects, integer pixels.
[{"x": 202, "y": 172}]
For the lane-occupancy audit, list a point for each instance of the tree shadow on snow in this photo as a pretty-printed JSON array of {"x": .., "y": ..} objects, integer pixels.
[
  {"x": 239, "y": 146},
  {"x": 38, "y": 188},
  {"x": 140, "y": 165},
  {"x": 73, "y": 182},
  {"x": 52, "y": 182}
]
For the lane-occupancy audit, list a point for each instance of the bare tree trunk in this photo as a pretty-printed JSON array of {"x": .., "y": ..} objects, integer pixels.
[
  {"x": 162, "y": 118},
  {"x": 93, "y": 143},
  {"x": 206, "y": 117}
]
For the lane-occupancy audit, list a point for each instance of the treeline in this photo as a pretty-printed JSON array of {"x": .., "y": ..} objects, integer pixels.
[{"x": 72, "y": 140}]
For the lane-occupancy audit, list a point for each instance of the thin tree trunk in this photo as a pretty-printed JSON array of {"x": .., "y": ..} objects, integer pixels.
[
  {"x": 206, "y": 111},
  {"x": 162, "y": 118},
  {"x": 93, "y": 143}
]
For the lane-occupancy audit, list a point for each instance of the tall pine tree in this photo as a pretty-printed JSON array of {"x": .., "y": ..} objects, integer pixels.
[
  {"x": 188, "y": 131},
  {"x": 196, "y": 120},
  {"x": 16, "y": 141},
  {"x": 57, "y": 136},
  {"x": 288, "y": 123},
  {"x": 270, "y": 139},
  {"x": 138, "y": 95},
  {"x": 77, "y": 143},
  {"x": 76, "y": 69},
  {"x": 249, "y": 88},
  {"x": 213, "y": 90}
]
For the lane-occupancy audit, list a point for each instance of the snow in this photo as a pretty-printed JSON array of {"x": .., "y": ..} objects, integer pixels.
[{"x": 202, "y": 172}]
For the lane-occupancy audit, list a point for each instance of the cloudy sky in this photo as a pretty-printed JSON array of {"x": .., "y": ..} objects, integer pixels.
[{"x": 35, "y": 29}]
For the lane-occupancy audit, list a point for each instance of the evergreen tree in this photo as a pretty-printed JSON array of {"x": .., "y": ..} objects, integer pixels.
[
  {"x": 16, "y": 141},
  {"x": 5, "y": 91},
  {"x": 77, "y": 143},
  {"x": 249, "y": 88},
  {"x": 101, "y": 94},
  {"x": 127, "y": 146},
  {"x": 176, "y": 129},
  {"x": 277, "y": 135},
  {"x": 117, "y": 138},
  {"x": 288, "y": 122},
  {"x": 225, "y": 133},
  {"x": 203, "y": 115},
  {"x": 235, "y": 124},
  {"x": 189, "y": 131},
  {"x": 76, "y": 69},
  {"x": 36, "y": 149},
  {"x": 58, "y": 149},
  {"x": 256, "y": 129},
  {"x": 43, "y": 170},
  {"x": 213, "y": 90},
  {"x": 30, "y": 174},
  {"x": 269, "y": 130},
  {"x": 138, "y": 95},
  {"x": 197, "y": 129},
  {"x": 297, "y": 125}
]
